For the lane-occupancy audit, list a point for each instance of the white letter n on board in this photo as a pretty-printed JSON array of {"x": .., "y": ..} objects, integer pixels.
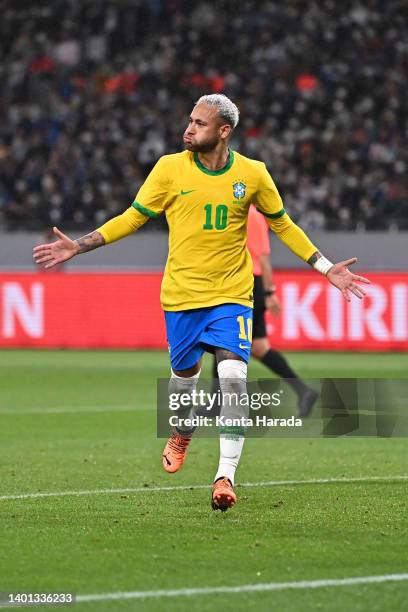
[{"x": 25, "y": 307}]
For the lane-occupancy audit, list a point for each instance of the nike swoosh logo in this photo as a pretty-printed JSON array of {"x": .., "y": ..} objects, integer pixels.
[
  {"x": 186, "y": 192},
  {"x": 244, "y": 346}
]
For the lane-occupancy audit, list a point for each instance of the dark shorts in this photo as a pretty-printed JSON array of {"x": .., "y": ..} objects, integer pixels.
[{"x": 259, "y": 327}]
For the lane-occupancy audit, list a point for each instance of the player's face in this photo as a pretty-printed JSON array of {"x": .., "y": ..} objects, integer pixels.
[{"x": 205, "y": 129}]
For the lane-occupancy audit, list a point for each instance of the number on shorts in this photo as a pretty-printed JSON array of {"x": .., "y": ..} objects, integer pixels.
[{"x": 245, "y": 334}]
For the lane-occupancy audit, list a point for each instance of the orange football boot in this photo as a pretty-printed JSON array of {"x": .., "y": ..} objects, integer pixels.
[
  {"x": 175, "y": 451},
  {"x": 223, "y": 495}
]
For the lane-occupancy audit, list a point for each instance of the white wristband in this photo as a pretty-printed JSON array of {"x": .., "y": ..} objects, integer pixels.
[{"x": 323, "y": 265}]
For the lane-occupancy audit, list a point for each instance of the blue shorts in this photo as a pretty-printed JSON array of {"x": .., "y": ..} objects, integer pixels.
[{"x": 191, "y": 332}]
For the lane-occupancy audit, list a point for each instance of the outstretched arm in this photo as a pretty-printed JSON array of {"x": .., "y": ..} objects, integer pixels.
[
  {"x": 64, "y": 248},
  {"x": 270, "y": 204},
  {"x": 338, "y": 274}
]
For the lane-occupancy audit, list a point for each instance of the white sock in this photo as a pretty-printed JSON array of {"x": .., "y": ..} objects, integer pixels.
[
  {"x": 230, "y": 454},
  {"x": 181, "y": 384},
  {"x": 232, "y": 375}
]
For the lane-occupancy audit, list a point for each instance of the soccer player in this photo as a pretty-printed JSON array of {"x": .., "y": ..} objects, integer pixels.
[
  {"x": 207, "y": 288},
  {"x": 265, "y": 299}
]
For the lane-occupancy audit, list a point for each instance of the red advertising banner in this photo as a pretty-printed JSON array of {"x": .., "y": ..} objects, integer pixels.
[{"x": 122, "y": 310}]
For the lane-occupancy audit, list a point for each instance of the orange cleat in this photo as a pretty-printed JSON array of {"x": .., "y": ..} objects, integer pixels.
[
  {"x": 175, "y": 451},
  {"x": 223, "y": 495}
]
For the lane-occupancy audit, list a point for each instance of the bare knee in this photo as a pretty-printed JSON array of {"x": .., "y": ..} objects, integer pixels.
[
  {"x": 223, "y": 354},
  {"x": 189, "y": 372}
]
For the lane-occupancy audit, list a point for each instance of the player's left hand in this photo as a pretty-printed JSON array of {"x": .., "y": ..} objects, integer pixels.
[
  {"x": 273, "y": 305},
  {"x": 341, "y": 277}
]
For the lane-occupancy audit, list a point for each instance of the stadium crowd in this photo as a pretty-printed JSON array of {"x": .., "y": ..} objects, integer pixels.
[{"x": 93, "y": 92}]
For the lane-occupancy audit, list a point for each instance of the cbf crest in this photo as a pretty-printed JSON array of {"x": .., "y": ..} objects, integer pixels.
[{"x": 239, "y": 190}]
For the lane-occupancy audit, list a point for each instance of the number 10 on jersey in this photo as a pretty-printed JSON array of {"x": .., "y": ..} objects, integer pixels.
[{"x": 218, "y": 220}]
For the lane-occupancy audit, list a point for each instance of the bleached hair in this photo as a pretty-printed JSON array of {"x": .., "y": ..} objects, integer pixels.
[{"x": 227, "y": 110}]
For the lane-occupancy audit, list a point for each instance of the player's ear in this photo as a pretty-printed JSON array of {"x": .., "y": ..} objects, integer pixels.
[{"x": 225, "y": 131}]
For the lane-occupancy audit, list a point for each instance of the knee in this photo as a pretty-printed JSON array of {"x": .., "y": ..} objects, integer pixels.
[
  {"x": 232, "y": 375},
  {"x": 232, "y": 369},
  {"x": 183, "y": 384}
]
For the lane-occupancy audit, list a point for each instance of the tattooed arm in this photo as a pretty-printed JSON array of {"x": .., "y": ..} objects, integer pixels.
[
  {"x": 312, "y": 260},
  {"x": 64, "y": 248},
  {"x": 89, "y": 242}
]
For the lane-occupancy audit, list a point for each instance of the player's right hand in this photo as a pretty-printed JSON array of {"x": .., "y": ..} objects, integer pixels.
[{"x": 56, "y": 252}]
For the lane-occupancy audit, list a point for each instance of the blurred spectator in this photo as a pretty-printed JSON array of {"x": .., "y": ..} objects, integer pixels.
[{"x": 93, "y": 92}]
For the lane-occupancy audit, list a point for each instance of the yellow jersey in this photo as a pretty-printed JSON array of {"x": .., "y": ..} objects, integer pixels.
[{"x": 206, "y": 210}]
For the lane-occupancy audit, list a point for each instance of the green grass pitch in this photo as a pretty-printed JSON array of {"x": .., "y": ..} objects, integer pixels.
[{"x": 85, "y": 420}]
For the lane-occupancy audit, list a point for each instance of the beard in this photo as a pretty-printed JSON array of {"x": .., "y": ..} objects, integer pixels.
[{"x": 202, "y": 147}]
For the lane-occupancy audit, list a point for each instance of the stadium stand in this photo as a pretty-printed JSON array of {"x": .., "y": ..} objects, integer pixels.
[{"x": 93, "y": 92}]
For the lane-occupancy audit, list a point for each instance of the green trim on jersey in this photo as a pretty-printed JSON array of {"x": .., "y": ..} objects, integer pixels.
[
  {"x": 145, "y": 211},
  {"x": 215, "y": 172},
  {"x": 276, "y": 215}
]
